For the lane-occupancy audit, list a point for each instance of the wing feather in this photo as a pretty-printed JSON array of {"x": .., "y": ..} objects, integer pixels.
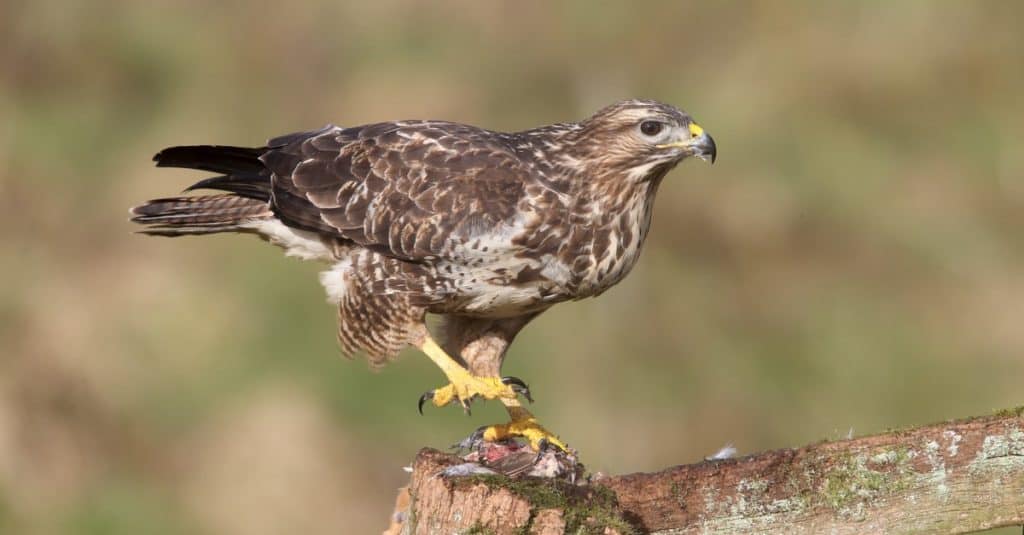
[{"x": 409, "y": 190}]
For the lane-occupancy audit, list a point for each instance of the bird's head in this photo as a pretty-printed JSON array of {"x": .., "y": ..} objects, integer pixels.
[{"x": 644, "y": 138}]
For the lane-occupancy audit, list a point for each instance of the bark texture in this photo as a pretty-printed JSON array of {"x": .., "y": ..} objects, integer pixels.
[{"x": 952, "y": 477}]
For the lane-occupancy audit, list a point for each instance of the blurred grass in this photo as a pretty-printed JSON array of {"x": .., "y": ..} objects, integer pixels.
[{"x": 852, "y": 261}]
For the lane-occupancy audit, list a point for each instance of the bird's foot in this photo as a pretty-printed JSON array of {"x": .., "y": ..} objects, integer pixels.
[
  {"x": 464, "y": 387},
  {"x": 523, "y": 425}
]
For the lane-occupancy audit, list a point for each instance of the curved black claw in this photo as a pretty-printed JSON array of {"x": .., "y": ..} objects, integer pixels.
[
  {"x": 518, "y": 386},
  {"x": 423, "y": 399},
  {"x": 472, "y": 442}
]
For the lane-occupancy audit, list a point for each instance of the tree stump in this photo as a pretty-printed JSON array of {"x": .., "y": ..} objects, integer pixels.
[{"x": 952, "y": 477}]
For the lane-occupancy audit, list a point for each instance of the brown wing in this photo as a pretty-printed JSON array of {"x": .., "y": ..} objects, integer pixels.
[{"x": 409, "y": 190}]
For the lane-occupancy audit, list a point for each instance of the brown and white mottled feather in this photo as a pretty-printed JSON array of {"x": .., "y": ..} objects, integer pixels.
[{"x": 485, "y": 227}]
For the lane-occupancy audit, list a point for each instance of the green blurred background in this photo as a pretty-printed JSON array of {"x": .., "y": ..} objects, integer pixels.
[{"x": 853, "y": 260}]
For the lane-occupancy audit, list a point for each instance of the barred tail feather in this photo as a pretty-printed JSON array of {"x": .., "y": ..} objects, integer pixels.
[
  {"x": 244, "y": 177},
  {"x": 208, "y": 214}
]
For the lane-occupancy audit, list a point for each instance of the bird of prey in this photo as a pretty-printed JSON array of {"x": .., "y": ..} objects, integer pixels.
[{"x": 486, "y": 229}]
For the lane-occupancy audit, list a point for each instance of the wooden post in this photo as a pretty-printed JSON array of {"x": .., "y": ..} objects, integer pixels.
[{"x": 952, "y": 477}]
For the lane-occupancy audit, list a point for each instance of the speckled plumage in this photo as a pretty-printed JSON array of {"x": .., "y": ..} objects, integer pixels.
[{"x": 488, "y": 229}]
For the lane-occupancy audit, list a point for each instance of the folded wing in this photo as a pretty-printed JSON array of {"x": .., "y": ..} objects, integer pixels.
[{"x": 410, "y": 190}]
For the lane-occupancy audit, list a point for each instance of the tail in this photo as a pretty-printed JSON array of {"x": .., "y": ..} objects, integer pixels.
[
  {"x": 243, "y": 176},
  {"x": 206, "y": 214}
]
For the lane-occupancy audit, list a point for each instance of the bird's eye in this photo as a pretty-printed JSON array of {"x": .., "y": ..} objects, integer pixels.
[{"x": 651, "y": 128}]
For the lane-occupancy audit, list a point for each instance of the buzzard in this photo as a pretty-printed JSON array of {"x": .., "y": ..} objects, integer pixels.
[{"x": 486, "y": 229}]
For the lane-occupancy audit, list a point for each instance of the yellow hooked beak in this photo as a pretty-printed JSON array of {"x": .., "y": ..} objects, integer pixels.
[{"x": 700, "y": 144}]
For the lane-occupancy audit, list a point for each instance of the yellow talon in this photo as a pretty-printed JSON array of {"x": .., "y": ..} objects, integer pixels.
[
  {"x": 465, "y": 387},
  {"x": 524, "y": 425}
]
